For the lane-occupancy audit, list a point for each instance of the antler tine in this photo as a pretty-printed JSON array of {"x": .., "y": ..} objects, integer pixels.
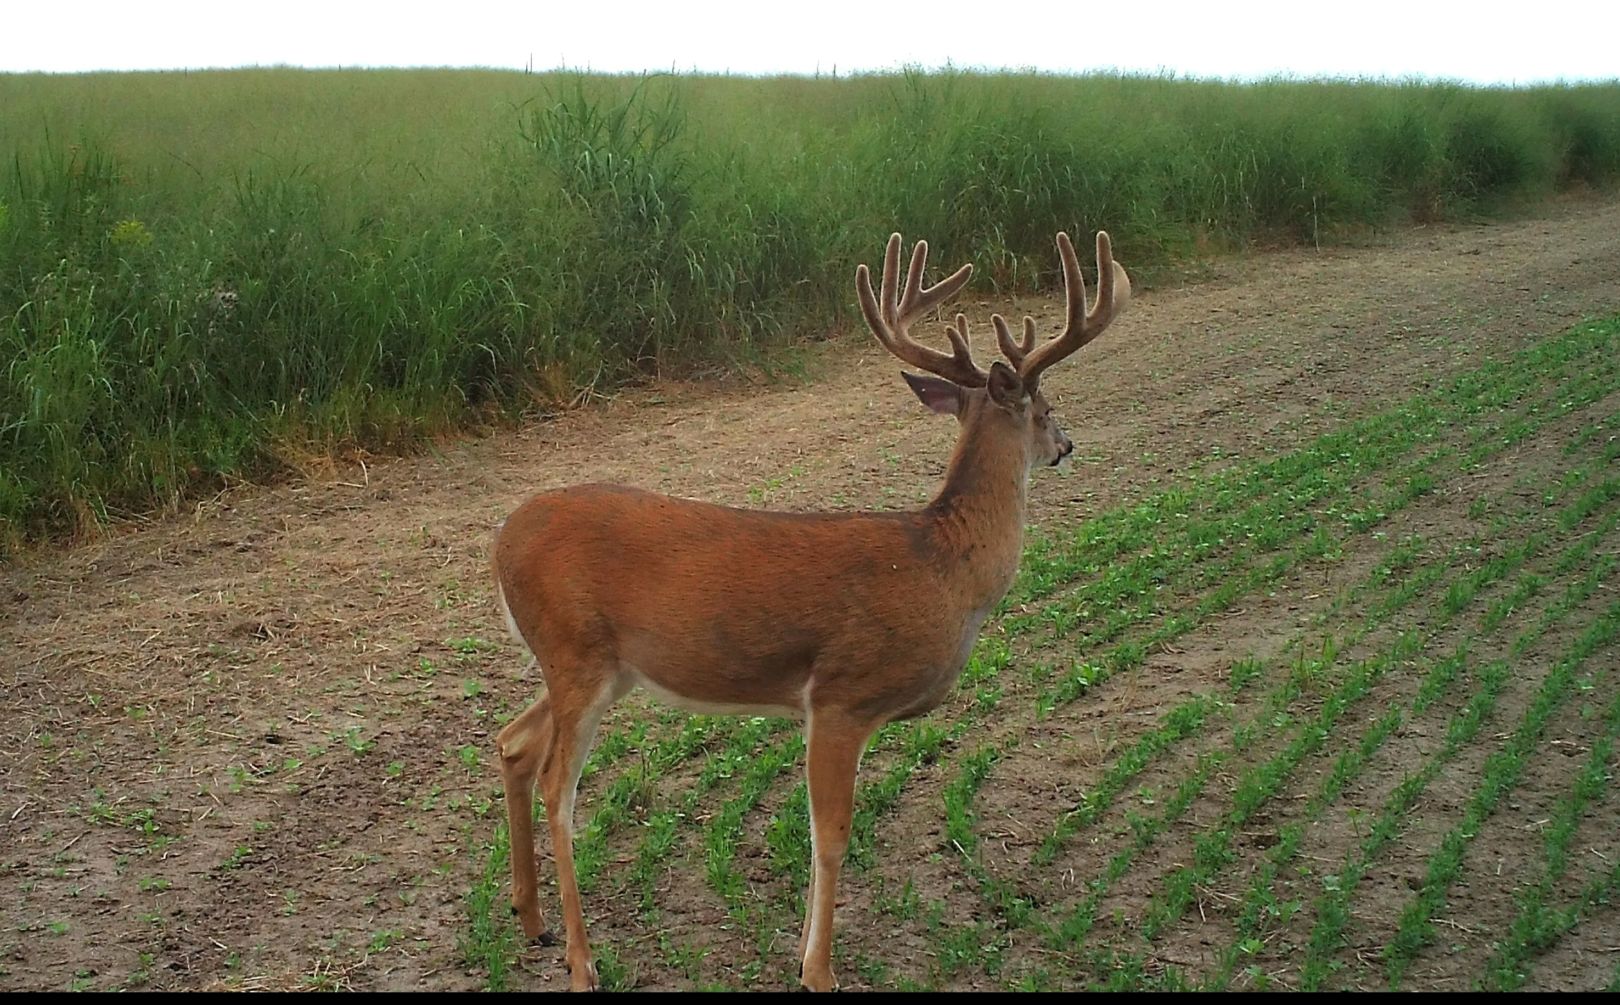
[
  {"x": 959, "y": 339},
  {"x": 1014, "y": 351},
  {"x": 891, "y": 317},
  {"x": 891, "y": 279},
  {"x": 1082, "y": 325}
]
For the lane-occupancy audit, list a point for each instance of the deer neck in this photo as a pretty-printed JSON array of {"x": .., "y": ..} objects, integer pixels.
[{"x": 978, "y": 515}]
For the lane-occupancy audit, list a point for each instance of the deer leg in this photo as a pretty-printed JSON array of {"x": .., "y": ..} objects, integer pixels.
[
  {"x": 572, "y": 737},
  {"x": 835, "y": 744},
  {"x": 524, "y": 745},
  {"x": 810, "y": 888},
  {"x": 809, "y": 899}
]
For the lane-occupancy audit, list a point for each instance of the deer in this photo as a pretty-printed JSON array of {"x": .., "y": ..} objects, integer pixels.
[{"x": 845, "y": 621}]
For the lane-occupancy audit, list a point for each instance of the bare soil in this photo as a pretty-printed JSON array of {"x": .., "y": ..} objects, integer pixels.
[{"x": 251, "y": 745}]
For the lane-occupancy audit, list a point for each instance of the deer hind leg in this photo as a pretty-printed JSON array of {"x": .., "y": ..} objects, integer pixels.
[
  {"x": 573, "y": 733},
  {"x": 833, "y": 755},
  {"x": 525, "y": 747}
]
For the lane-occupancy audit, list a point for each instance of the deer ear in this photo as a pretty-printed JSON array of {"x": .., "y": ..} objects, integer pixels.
[
  {"x": 941, "y": 396},
  {"x": 1006, "y": 387}
]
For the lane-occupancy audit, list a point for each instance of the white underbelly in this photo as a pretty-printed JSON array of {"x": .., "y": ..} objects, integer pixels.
[{"x": 709, "y": 706}]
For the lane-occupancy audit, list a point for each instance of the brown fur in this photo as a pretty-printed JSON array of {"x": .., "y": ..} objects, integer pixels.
[{"x": 847, "y": 621}]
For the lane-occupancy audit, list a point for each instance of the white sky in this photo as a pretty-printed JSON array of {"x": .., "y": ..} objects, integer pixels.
[{"x": 1481, "y": 42}]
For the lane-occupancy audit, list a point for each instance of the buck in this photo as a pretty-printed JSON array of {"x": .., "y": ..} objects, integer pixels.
[{"x": 846, "y": 621}]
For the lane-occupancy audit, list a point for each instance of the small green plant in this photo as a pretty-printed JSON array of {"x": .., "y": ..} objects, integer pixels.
[
  {"x": 471, "y": 646},
  {"x": 130, "y": 234},
  {"x": 383, "y": 939}
]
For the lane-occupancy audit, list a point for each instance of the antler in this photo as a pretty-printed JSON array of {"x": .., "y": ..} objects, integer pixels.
[
  {"x": 1113, "y": 293},
  {"x": 1014, "y": 351},
  {"x": 890, "y": 319}
]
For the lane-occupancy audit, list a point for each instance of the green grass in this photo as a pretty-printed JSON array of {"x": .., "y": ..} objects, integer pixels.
[
  {"x": 490, "y": 941},
  {"x": 213, "y": 275},
  {"x": 1261, "y": 906},
  {"x": 1332, "y": 910},
  {"x": 1539, "y": 924},
  {"x": 1502, "y": 773}
]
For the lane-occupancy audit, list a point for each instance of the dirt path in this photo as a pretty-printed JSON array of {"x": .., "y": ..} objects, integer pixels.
[{"x": 250, "y": 745}]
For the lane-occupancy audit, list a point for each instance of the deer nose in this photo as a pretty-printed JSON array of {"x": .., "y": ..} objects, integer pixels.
[{"x": 1065, "y": 448}]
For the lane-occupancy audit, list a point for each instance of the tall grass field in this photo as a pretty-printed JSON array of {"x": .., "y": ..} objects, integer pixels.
[{"x": 204, "y": 275}]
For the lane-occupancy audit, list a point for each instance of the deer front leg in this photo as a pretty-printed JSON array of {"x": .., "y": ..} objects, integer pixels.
[
  {"x": 581, "y": 967},
  {"x": 834, "y": 747},
  {"x": 574, "y": 730},
  {"x": 809, "y": 899}
]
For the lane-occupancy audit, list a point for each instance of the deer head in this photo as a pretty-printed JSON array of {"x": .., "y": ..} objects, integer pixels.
[{"x": 1003, "y": 404}]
